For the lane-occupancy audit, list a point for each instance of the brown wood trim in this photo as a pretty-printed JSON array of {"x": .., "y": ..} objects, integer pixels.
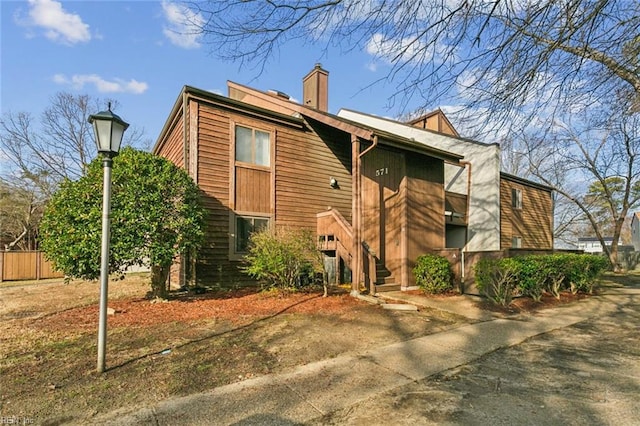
[
  {"x": 169, "y": 123},
  {"x": 404, "y": 221},
  {"x": 356, "y": 188},
  {"x": 246, "y": 165},
  {"x": 329, "y": 120},
  {"x": 272, "y": 159},
  {"x": 194, "y": 113},
  {"x": 258, "y": 113},
  {"x": 232, "y": 166},
  {"x": 185, "y": 131}
]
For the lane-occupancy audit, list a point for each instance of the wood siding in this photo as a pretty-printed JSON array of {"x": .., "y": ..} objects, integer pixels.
[
  {"x": 252, "y": 190},
  {"x": 383, "y": 206},
  {"x": 425, "y": 209},
  {"x": 214, "y": 137},
  {"x": 435, "y": 121},
  {"x": 533, "y": 222},
  {"x": 173, "y": 146},
  {"x": 295, "y": 189},
  {"x": 403, "y": 208},
  {"x": 305, "y": 164}
]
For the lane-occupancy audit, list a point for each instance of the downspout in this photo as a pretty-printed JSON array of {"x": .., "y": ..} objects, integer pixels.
[
  {"x": 375, "y": 143},
  {"x": 356, "y": 168}
]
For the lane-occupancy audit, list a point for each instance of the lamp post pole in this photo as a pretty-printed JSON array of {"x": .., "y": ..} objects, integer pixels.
[
  {"x": 107, "y": 162},
  {"x": 108, "y": 129}
]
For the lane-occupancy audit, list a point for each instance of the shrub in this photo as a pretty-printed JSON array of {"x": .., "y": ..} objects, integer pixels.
[
  {"x": 553, "y": 268},
  {"x": 283, "y": 258},
  {"x": 583, "y": 270},
  {"x": 433, "y": 274},
  {"x": 496, "y": 279},
  {"x": 530, "y": 276}
]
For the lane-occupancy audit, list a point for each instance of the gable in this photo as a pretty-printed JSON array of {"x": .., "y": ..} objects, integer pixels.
[{"x": 436, "y": 121}]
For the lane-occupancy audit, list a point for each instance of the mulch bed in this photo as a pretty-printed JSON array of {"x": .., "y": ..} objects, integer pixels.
[{"x": 232, "y": 306}]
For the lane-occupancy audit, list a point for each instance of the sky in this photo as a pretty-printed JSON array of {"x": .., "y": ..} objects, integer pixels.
[{"x": 137, "y": 53}]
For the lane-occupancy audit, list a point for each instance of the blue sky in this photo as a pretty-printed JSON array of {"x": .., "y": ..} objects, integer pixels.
[{"x": 132, "y": 51}]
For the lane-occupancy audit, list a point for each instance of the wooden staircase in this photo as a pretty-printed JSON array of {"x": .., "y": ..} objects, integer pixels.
[
  {"x": 336, "y": 235},
  {"x": 385, "y": 281}
]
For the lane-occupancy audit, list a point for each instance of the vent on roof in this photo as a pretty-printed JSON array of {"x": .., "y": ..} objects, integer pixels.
[{"x": 278, "y": 94}]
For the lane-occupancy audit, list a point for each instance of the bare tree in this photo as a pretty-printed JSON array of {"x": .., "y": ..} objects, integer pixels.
[
  {"x": 596, "y": 165},
  {"x": 20, "y": 212},
  {"x": 511, "y": 59},
  {"x": 38, "y": 155}
]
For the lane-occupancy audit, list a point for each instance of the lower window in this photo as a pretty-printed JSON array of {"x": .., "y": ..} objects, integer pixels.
[
  {"x": 245, "y": 226},
  {"x": 516, "y": 242}
]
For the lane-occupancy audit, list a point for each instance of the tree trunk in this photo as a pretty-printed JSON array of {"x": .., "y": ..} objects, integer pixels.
[{"x": 159, "y": 274}]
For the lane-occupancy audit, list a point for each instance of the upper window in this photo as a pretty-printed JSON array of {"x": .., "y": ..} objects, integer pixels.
[
  {"x": 516, "y": 198},
  {"x": 253, "y": 146}
]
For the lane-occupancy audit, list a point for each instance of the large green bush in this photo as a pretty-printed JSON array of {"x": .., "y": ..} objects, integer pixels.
[
  {"x": 583, "y": 270},
  {"x": 156, "y": 215},
  {"x": 496, "y": 279},
  {"x": 433, "y": 274},
  {"x": 501, "y": 279},
  {"x": 283, "y": 258},
  {"x": 530, "y": 276}
]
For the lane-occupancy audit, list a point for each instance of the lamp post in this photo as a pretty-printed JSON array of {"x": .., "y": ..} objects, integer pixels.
[{"x": 108, "y": 129}]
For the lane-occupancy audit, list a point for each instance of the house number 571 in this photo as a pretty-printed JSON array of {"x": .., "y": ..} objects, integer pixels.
[{"x": 382, "y": 171}]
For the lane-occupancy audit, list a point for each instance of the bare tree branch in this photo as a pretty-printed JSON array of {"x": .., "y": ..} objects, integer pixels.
[{"x": 517, "y": 60}]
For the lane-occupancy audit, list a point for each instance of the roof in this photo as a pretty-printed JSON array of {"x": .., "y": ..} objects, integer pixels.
[
  {"x": 440, "y": 114},
  {"x": 460, "y": 138},
  {"x": 387, "y": 138},
  {"x": 594, "y": 239},
  {"x": 227, "y": 103},
  {"x": 524, "y": 181},
  {"x": 345, "y": 125}
]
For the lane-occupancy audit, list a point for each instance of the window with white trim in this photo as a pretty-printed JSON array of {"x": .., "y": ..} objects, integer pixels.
[
  {"x": 253, "y": 146},
  {"x": 244, "y": 227},
  {"x": 516, "y": 242},
  {"x": 516, "y": 198}
]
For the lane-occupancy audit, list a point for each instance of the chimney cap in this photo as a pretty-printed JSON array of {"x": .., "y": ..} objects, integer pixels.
[{"x": 278, "y": 94}]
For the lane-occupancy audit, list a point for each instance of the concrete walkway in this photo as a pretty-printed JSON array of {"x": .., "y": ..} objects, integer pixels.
[{"x": 313, "y": 390}]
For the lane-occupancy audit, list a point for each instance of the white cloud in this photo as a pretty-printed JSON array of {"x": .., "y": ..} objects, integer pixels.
[
  {"x": 58, "y": 24},
  {"x": 372, "y": 66},
  {"x": 78, "y": 81},
  {"x": 392, "y": 50},
  {"x": 183, "y": 26}
]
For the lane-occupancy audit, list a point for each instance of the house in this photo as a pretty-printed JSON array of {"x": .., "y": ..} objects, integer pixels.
[
  {"x": 635, "y": 231},
  {"x": 504, "y": 211},
  {"x": 376, "y": 198},
  {"x": 592, "y": 244}
]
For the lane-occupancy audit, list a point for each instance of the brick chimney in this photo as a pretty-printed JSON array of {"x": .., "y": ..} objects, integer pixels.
[{"x": 315, "y": 89}]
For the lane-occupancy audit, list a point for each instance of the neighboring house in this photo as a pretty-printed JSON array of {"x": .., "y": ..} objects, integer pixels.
[
  {"x": 526, "y": 214},
  {"x": 635, "y": 231},
  {"x": 376, "y": 197},
  {"x": 504, "y": 211},
  {"x": 592, "y": 244}
]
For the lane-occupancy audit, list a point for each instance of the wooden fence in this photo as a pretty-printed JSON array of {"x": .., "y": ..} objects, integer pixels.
[{"x": 25, "y": 265}]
